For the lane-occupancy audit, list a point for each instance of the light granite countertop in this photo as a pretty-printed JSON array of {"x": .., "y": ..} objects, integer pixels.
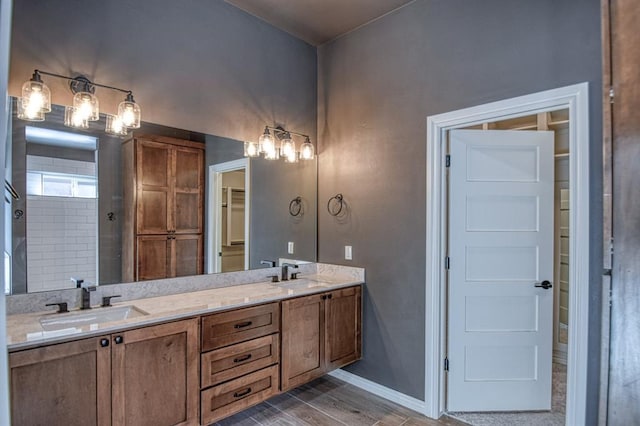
[{"x": 25, "y": 330}]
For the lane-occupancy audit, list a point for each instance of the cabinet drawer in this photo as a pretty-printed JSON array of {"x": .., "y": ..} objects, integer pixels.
[
  {"x": 233, "y": 361},
  {"x": 236, "y": 326},
  {"x": 228, "y": 398}
]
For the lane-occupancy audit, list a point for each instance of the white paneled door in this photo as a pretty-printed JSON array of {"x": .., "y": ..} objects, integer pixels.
[{"x": 501, "y": 259}]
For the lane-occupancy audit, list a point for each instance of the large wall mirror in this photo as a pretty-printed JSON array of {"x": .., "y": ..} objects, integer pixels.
[{"x": 66, "y": 202}]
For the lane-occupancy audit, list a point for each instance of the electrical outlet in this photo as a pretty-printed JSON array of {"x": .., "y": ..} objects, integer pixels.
[
  {"x": 290, "y": 247},
  {"x": 348, "y": 253}
]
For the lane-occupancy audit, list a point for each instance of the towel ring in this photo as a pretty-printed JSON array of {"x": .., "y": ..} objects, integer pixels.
[
  {"x": 295, "y": 206},
  {"x": 339, "y": 201}
]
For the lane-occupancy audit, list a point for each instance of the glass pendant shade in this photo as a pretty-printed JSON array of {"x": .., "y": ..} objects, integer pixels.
[
  {"x": 307, "y": 152},
  {"x": 72, "y": 118},
  {"x": 86, "y": 106},
  {"x": 115, "y": 126},
  {"x": 251, "y": 149},
  {"x": 267, "y": 145},
  {"x": 36, "y": 96},
  {"x": 288, "y": 149},
  {"x": 129, "y": 112},
  {"x": 29, "y": 114}
]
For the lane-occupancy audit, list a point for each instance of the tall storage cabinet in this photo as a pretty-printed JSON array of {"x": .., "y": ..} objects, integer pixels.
[{"x": 163, "y": 205}]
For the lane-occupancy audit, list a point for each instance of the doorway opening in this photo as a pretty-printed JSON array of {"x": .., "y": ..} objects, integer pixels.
[
  {"x": 574, "y": 100},
  {"x": 499, "y": 216},
  {"x": 228, "y": 217}
]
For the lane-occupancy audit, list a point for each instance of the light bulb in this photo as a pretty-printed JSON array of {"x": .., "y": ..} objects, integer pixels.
[
  {"x": 87, "y": 106},
  {"x": 267, "y": 144},
  {"x": 28, "y": 114},
  {"x": 307, "y": 150},
  {"x": 72, "y": 118},
  {"x": 36, "y": 97},
  {"x": 115, "y": 125},
  {"x": 129, "y": 112},
  {"x": 251, "y": 149},
  {"x": 288, "y": 147},
  {"x": 291, "y": 157}
]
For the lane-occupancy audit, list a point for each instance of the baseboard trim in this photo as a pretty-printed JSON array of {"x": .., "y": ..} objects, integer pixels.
[{"x": 381, "y": 391}]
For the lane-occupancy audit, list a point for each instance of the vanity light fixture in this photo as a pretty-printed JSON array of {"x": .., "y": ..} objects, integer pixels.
[
  {"x": 276, "y": 142},
  {"x": 36, "y": 102}
]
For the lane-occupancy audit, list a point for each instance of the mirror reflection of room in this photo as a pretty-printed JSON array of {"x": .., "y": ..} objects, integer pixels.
[{"x": 62, "y": 208}]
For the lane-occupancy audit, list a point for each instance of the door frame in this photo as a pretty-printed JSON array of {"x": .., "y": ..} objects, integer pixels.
[
  {"x": 575, "y": 99},
  {"x": 214, "y": 197}
]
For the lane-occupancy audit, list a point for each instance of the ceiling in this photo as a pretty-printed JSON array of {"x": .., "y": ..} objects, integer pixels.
[{"x": 318, "y": 21}]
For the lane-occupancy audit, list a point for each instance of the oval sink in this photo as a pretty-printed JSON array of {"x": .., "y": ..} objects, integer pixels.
[{"x": 88, "y": 317}]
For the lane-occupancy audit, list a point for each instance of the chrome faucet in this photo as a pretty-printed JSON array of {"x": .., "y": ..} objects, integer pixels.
[
  {"x": 86, "y": 292},
  {"x": 285, "y": 270}
]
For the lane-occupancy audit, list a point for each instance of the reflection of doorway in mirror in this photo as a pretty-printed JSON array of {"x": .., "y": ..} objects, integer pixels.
[
  {"x": 232, "y": 226},
  {"x": 228, "y": 218},
  {"x": 61, "y": 222}
]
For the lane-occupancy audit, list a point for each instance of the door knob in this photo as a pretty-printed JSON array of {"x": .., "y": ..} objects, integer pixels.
[{"x": 544, "y": 284}]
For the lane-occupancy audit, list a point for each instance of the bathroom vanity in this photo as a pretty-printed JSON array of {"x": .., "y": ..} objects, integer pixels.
[{"x": 182, "y": 359}]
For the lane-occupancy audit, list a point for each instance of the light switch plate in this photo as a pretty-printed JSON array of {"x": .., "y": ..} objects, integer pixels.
[
  {"x": 348, "y": 253},
  {"x": 290, "y": 247}
]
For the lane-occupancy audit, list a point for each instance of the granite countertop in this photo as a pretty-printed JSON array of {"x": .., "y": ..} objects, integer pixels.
[{"x": 25, "y": 330}]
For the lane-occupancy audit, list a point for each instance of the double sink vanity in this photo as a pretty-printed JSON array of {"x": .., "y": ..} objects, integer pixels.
[{"x": 197, "y": 351}]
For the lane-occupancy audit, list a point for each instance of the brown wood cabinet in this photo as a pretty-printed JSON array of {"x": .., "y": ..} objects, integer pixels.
[
  {"x": 146, "y": 376},
  {"x": 66, "y": 384},
  {"x": 163, "y": 205},
  {"x": 155, "y": 375},
  {"x": 239, "y": 363},
  {"x": 320, "y": 333}
]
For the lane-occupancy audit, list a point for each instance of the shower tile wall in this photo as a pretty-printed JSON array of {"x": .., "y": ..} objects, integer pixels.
[{"x": 61, "y": 231}]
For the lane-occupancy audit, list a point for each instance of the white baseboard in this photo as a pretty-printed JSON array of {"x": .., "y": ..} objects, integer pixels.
[{"x": 381, "y": 391}]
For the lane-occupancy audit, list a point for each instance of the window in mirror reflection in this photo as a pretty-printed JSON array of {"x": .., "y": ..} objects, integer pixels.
[{"x": 61, "y": 221}]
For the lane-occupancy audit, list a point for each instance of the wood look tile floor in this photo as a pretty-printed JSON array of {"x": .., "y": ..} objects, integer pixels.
[{"x": 328, "y": 401}]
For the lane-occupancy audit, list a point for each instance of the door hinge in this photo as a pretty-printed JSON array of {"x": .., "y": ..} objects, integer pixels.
[
  {"x": 448, "y": 160},
  {"x": 612, "y": 94},
  {"x": 447, "y": 263},
  {"x": 446, "y": 364}
]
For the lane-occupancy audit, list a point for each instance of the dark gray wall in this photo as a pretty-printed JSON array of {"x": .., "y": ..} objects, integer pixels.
[
  {"x": 201, "y": 65},
  {"x": 273, "y": 185},
  {"x": 377, "y": 85}
]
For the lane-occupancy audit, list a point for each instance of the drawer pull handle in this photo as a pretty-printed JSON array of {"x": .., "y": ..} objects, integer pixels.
[
  {"x": 242, "y": 358},
  {"x": 244, "y": 324},
  {"x": 245, "y": 392}
]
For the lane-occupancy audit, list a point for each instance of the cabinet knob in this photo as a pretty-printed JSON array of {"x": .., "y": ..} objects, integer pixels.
[
  {"x": 104, "y": 342},
  {"x": 118, "y": 339}
]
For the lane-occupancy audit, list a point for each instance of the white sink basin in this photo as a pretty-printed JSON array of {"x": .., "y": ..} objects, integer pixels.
[{"x": 93, "y": 316}]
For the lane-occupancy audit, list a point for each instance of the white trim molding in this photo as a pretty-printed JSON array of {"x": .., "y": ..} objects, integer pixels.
[
  {"x": 575, "y": 99},
  {"x": 214, "y": 194},
  {"x": 379, "y": 390}
]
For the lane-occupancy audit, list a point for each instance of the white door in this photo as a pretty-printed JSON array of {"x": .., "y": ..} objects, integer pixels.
[{"x": 500, "y": 321}]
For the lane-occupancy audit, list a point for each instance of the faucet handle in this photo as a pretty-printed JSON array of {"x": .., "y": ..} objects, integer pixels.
[
  {"x": 77, "y": 281},
  {"x": 269, "y": 263},
  {"x": 274, "y": 278},
  {"x": 106, "y": 300},
  {"x": 62, "y": 307},
  {"x": 294, "y": 275}
]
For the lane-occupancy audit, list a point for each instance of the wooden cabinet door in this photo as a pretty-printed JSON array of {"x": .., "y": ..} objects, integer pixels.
[
  {"x": 343, "y": 327},
  {"x": 188, "y": 190},
  {"x": 303, "y": 331},
  {"x": 66, "y": 384},
  {"x": 186, "y": 255},
  {"x": 154, "y": 187},
  {"x": 155, "y": 375},
  {"x": 153, "y": 257}
]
